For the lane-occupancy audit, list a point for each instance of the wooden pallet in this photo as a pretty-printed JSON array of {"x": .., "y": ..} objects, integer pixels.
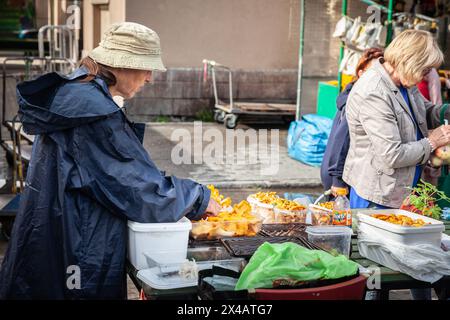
[
  {"x": 258, "y": 108},
  {"x": 268, "y": 107}
]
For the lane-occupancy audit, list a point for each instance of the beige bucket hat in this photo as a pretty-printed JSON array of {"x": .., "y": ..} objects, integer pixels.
[{"x": 129, "y": 45}]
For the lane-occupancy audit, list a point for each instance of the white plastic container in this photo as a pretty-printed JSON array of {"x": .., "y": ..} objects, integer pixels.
[
  {"x": 222, "y": 259},
  {"x": 165, "y": 276},
  {"x": 290, "y": 216},
  {"x": 166, "y": 242},
  {"x": 331, "y": 238},
  {"x": 320, "y": 216},
  {"x": 427, "y": 234},
  {"x": 155, "y": 280},
  {"x": 262, "y": 210}
]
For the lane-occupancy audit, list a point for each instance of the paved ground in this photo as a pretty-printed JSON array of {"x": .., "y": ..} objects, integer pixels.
[{"x": 162, "y": 139}]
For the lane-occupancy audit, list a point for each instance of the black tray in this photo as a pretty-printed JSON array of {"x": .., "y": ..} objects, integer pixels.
[
  {"x": 195, "y": 243},
  {"x": 246, "y": 246},
  {"x": 284, "y": 230}
]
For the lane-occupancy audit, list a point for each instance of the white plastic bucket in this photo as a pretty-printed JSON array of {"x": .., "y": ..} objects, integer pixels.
[{"x": 166, "y": 242}]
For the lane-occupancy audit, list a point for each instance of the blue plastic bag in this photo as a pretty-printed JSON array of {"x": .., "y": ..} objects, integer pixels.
[{"x": 308, "y": 138}]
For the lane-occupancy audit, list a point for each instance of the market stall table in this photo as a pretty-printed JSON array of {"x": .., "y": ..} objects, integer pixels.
[
  {"x": 395, "y": 280},
  {"x": 390, "y": 279}
]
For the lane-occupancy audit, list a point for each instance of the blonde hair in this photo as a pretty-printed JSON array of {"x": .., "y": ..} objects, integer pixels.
[{"x": 412, "y": 53}]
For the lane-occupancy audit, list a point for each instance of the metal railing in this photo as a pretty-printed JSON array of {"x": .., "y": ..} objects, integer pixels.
[{"x": 62, "y": 47}]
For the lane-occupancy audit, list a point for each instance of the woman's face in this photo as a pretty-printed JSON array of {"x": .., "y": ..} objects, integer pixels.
[{"x": 130, "y": 81}]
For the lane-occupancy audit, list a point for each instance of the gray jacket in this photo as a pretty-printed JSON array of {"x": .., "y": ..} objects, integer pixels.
[{"x": 384, "y": 150}]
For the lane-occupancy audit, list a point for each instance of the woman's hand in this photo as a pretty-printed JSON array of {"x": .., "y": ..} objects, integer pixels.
[
  {"x": 440, "y": 136},
  {"x": 213, "y": 208},
  {"x": 334, "y": 190}
]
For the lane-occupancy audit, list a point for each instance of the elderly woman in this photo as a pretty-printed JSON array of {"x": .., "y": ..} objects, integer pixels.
[
  {"x": 88, "y": 175},
  {"x": 389, "y": 120}
]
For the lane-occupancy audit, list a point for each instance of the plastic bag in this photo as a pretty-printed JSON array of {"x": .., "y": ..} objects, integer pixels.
[
  {"x": 353, "y": 31},
  {"x": 349, "y": 62},
  {"x": 308, "y": 138},
  {"x": 290, "y": 263},
  {"x": 342, "y": 27},
  {"x": 422, "y": 262},
  {"x": 366, "y": 35}
]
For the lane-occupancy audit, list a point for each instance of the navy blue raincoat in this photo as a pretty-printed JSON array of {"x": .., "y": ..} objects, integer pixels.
[
  {"x": 88, "y": 175},
  {"x": 338, "y": 144}
]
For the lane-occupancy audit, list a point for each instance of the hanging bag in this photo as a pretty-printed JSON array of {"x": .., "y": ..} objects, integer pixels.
[
  {"x": 344, "y": 24},
  {"x": 354, "y": 30}
]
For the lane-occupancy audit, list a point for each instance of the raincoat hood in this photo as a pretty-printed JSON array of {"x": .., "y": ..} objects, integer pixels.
[{"x": 52, "y": 102}]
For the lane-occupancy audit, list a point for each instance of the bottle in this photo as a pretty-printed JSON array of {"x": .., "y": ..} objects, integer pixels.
[{"x": 342, "y": 214}]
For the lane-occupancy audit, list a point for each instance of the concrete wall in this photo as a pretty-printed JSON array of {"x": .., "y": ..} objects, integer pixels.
[
  {"x": 42, "y": 13},
  {"x": 250, "y": 34},
  {"x": 259, "y": 39},
  {"x": 114, "y": 11}
]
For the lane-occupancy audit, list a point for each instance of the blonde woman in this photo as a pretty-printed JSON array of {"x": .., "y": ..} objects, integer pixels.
[{"x": 388, "y": 122}]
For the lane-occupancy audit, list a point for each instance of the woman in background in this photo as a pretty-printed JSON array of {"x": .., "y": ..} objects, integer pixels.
[{"x": 339, "y": 141}]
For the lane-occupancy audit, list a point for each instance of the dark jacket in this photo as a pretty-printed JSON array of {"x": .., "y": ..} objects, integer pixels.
[
  {"x": 338, "y": 144},
  {"x": 88, "y": 175}
]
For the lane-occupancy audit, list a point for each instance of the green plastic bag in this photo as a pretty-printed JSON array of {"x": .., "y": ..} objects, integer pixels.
[{"x": 289, "y": 261}]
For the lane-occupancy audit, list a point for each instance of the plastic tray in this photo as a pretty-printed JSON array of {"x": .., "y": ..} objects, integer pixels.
[
  {"x": 320, "y": 215},
  {"x": 210, "y": 230},
  {"x": 154, "y": 279},
  {"x": 331, "y": 238},
  {"x": 284, "y": 230},
  {"x": 428, "y": 234},
  {"x": 290, "y": 216},
  {"x": 205, "y": 258},
  {"x": 246, "y": 246},
  {"x": 262, "y": 210}
]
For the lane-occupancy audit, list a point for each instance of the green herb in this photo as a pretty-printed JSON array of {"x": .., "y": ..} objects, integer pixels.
[{"x": 424, "y": 198}]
